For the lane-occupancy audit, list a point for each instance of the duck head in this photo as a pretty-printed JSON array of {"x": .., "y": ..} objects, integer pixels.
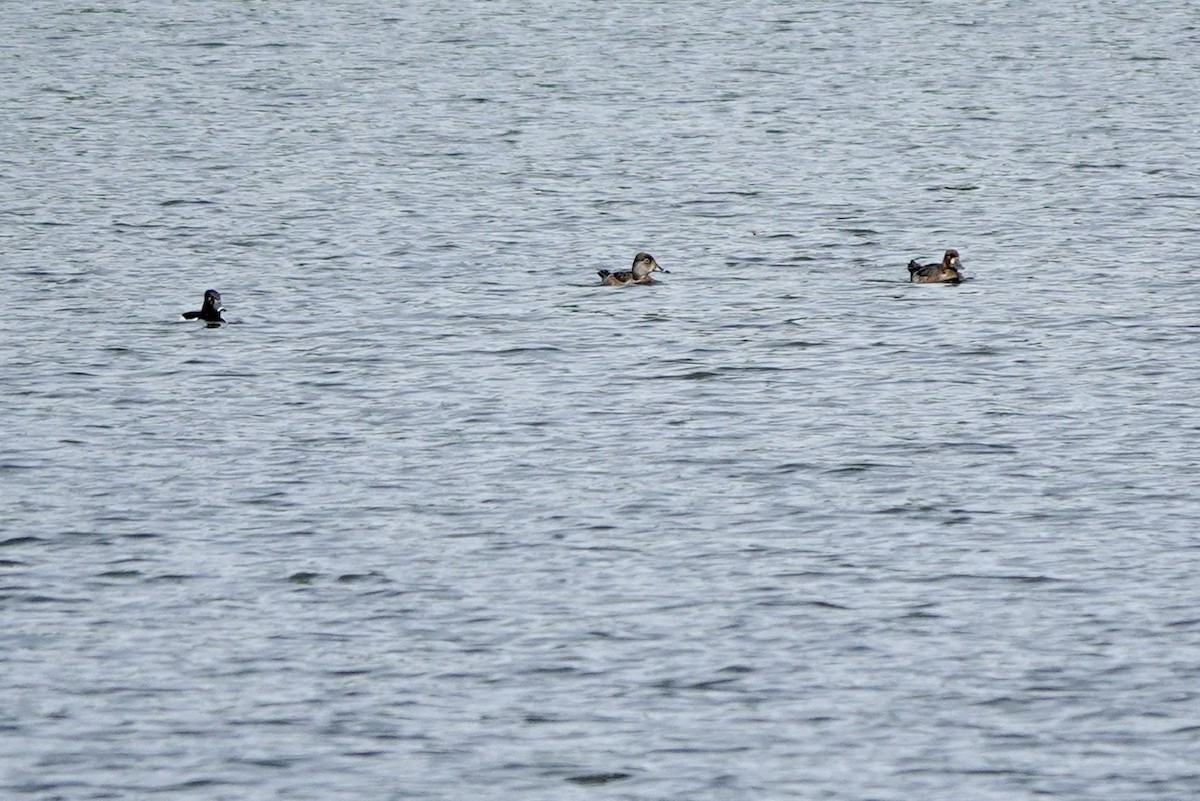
[{"x": 643, "y": 265}]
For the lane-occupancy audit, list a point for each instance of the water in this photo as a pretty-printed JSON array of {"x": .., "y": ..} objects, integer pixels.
[{"x": 435, "y": 516}]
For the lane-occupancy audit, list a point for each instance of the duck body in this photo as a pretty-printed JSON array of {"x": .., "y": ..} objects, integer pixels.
[
  {"x": 643, "y": 265},
  {"x": 947, "y": 271},
  {"x": 210, "y": 310}
]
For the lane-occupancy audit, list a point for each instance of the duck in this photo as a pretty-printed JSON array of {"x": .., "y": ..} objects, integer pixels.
[
  {"x": 210, "y": 310},
  {"x": 643, "y": 265},
  {"x": 947, "y": 271}
]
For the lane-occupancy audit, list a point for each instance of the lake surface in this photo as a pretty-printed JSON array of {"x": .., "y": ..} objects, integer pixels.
[{"x": 436, "y": 516}]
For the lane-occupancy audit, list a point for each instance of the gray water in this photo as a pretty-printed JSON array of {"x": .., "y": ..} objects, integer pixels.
[{"x": 437, "y": 516}]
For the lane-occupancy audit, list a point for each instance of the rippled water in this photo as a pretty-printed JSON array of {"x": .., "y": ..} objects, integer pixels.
[{"x": 436, "y": 516}]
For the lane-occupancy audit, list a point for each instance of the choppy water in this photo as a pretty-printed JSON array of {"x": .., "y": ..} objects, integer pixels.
[{"x": 437, "y": 517}]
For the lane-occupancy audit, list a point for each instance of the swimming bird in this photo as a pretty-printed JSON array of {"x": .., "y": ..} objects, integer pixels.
[
  {"x": 210, "y": 311},
  {"x": 643, "y": 265},
  {"x": 948, "y": 271}
]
